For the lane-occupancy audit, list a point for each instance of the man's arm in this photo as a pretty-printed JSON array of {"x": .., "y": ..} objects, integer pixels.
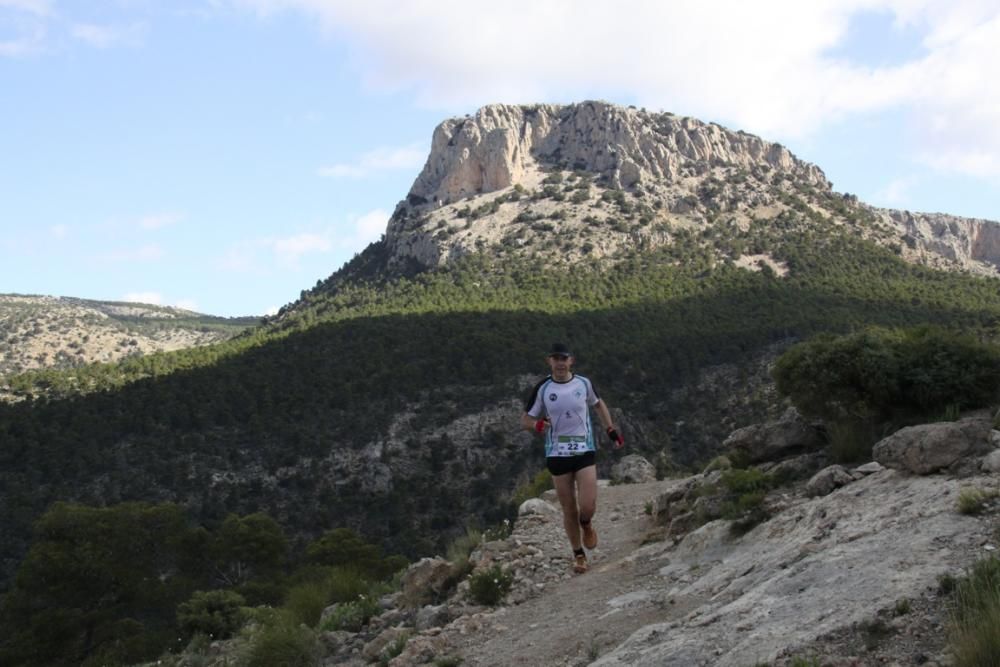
[
  {"x": 604, "y": 414},
  {"x": 528, "y": 422},
  {"x": 609, "y": 427}
]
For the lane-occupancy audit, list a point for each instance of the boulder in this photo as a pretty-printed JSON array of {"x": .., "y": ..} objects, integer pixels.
[
  {"x": 537, "y": 506},
  {"x": 992, "y": 461},
  {"x": 788, "y": 436},
  {"x": 927, "y": 448},
  {"x": 433, "y": 616},
  {"x": 375, "y": 649},
  {"x": 425, "y": 581},
  {"x": 827, "y": 480},
  {"x": 796, "y": 467},
  {"x": 633, "y": 469},
  {"x": 870, "y": 468}
]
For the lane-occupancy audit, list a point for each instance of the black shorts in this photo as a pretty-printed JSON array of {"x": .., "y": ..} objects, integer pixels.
[{"x": 561, "y": 465}]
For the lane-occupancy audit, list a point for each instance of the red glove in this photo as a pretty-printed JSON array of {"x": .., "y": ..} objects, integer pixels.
[
  {"x": 616, "y": 438},
  {"x": 540, "y": 425}
]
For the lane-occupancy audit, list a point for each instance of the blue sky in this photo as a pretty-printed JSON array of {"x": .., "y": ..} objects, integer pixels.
[{"x": 224, "y": 155}]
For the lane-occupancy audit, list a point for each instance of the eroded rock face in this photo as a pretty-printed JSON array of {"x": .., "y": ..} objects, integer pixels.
[
  {"x": 496, "y": 147},
  {"x": 967, "y": 243}
]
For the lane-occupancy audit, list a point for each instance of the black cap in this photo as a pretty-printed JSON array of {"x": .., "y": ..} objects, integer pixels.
[{"x": 559, "y": 349}]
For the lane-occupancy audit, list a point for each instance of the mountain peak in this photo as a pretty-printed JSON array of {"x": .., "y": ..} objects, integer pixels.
[{"x": 501, "y": 145}]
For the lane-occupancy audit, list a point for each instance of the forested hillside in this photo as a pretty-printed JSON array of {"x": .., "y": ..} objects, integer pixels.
[
  {"x": 386, "y": 399},
  {"x": 277, "y": 420}
]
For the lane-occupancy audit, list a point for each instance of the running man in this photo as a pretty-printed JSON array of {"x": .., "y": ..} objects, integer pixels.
[{"x": 559, "y": 407}]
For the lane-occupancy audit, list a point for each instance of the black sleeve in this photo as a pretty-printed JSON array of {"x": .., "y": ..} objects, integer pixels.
[{"x": 533, "y": 394}]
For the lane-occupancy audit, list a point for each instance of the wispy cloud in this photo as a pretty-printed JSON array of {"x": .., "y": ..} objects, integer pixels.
[
  {"x": 36, "y": 7},
  {"x": 158, "y": 220},
  {"x": 266, "y": 255},
  {"x": 108, "y": 36},
  {"x": 144, "y": 253},
  {"x": 59, "y": 232},
  {"x": 154, "y": 298},
  {"x": 289, "y": 250},
  {"x": 895, "y": 192},
  {"x": 783, "y": 87},
  {"x": 380, "y": 159},
  {"x": 37, "y": 26},
  {"x": 363, "y": 230}
]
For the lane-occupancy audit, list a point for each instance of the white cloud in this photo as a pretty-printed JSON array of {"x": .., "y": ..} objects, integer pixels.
[
  {"x": 59, "y": 232},
  {"x": 143, "y": 253},
  {"x": 895, "y": 193},
  {"x": 107, "y": 36},
  {"x": 363, "y": 230},
  {"x": 289, "y": 250},
  {"x": 37, "y": 7},
  {"x": 759, "y": 66},
  {"x": 262, "y": 256},
  {"x": 154, "y": 298},
  {"x": 158, "y": 220},
  {"x": 380, "y": 159}
]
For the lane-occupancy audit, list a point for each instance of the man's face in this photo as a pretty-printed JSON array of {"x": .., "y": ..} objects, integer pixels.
[{"x": 560, "y": 363}]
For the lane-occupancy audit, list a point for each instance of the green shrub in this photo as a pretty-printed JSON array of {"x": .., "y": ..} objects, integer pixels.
[
  {"x": 489, "y": 587},
  {"x": 539, "y": 484},
  {"x": 283, "y": 641},
  {"x": 720, "y": 462},
  {"x": 500, "y": 531},
  {"x": 459, "y": 549},
  {"x": 306, "y": 603},
  {"x": 804, "y": 662},
  {"x": 746, "y": 481},
  {"x": 393, "y": 649},
  {"x": 973, "y": 501},
  {"x": 353, "y": 615},
  {"x": 975, "y": 617},
  {"x": 889, "y": 374},
  {"x": 850, "y": 440},
  {"x": 216, "y": 614}
]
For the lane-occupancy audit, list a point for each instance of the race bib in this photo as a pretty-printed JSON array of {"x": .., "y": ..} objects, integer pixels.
[{"x": 569, "y": 445}]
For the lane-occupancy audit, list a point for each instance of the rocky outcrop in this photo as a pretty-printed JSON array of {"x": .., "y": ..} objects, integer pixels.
[
  {"x": 792, "y": 434},
  {"x": 492, "y": 177},
  {"x": 927, "y": 448},
  {"x": 948, "y": 241},
  {"x": 633, "y": 469},
  {"x": 496, "y": 148},
  {"x": 827, "y": 480}
]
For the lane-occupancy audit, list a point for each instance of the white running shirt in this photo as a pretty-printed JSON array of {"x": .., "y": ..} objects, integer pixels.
[{"x": 567, "y": 405}]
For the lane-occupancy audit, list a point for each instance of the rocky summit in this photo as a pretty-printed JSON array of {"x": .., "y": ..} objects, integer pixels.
[{"x": 604, "y": 178}]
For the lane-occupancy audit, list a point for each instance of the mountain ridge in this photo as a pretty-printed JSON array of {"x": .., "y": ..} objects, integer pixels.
[
  {"x": 40, "y": 332},
  {"x": 498, "y": 179}
]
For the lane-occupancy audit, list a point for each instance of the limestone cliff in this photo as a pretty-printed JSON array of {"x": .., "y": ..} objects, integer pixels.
[{"x": 605, "y": 179}]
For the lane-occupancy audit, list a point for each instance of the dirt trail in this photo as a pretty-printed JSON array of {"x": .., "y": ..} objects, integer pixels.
[{"x": 579, "y": 618}]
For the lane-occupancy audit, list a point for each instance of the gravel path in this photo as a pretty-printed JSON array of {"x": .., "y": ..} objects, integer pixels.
[{"x": 575, "y": 618}]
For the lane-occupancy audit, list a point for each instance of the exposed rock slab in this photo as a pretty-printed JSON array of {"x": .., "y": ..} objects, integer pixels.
[{"x": 823, "y": 564}]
